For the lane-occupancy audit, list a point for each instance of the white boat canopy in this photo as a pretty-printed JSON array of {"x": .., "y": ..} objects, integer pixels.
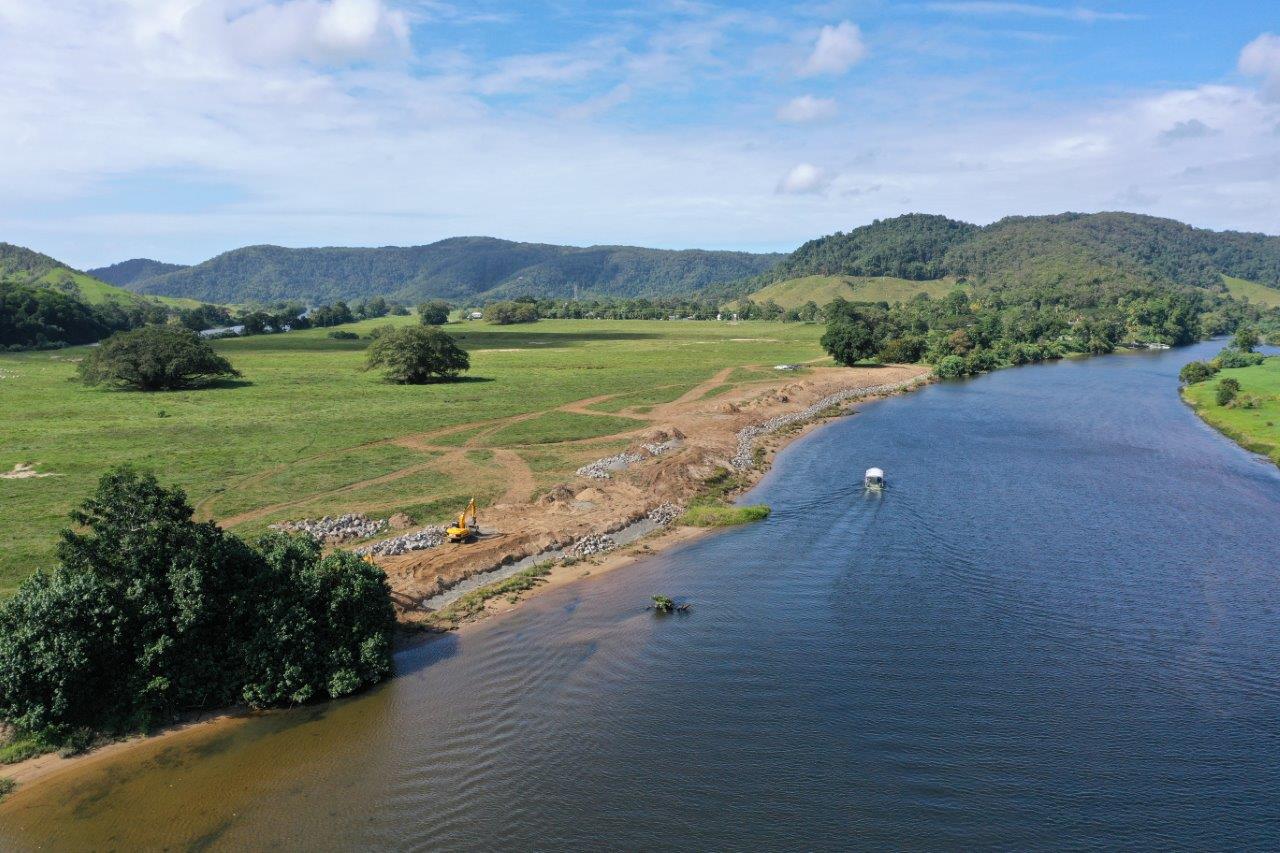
[{"x": 874, "y": 474}]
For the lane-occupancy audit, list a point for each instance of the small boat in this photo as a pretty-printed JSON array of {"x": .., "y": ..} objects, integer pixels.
[{"x": 873, "y": 479}]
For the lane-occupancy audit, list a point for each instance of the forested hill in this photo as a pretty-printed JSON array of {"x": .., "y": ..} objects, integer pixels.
[
  {"x": 461, "y": 269},
  {"x": 126, "y": 273},
  {"x": 1068, "y": 251},
  {"x": 24, "y": 267}
]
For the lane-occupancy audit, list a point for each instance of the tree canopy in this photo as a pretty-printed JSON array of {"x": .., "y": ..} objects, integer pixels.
[
  {"x": 151, "y": 614},
  {"x": 506, "y": 313},
  {"x": 434, "y": 312},
  {"x": 413, "y": 355},
  {"x": 154, "y": 358}
]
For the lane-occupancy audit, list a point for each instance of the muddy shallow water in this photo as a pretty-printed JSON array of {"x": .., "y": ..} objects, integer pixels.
[{"x": 1057, "y": 627}]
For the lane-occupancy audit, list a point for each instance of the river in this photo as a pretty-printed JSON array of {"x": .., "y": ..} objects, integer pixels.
[{"x": 1058, "y": 627}]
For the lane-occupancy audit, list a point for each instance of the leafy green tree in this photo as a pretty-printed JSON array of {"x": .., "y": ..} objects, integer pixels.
[
  {"x": 907, "y": 350},
  {"x": 1196, "y": 371},
  {"x": 416, "y": 354},
  {"x": 434, "y": 313},
  {"x": 151, "y": 614},
  {"x": 154, "y": 358},
  {"x": 204, "y": 317},
  {"x": 853, "y": 334},
  {"x": 325, "y": 625},
  {"x": 1227, "y": 390},
  {"x": 506, "y": 313},
  {"x": 1245, "y": 339}
]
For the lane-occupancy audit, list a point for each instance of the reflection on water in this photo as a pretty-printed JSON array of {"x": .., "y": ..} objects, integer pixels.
[{"x": 1056, "y": 627}]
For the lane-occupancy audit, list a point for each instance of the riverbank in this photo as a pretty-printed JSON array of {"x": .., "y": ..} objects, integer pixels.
[
  {"x": 1252, "y": 419},
  {"x": 719, "y": 426},
  {"x": 717, "y": 429}
]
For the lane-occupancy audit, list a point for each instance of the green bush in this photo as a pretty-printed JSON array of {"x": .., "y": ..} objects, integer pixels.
[
  {"x": 6, "y": 786},
  {"x": 154, "y": 358},
  {"x": 1196, "y": 371},
  {"x": 721, "y": 515},
  {"x": 341, "y": 335},
  {"x": 951, "y": 367},
  {"x": 151, "y": 614},
  {"x": 1227, "y": 390},
  {"x": 1230, "y": 358}
]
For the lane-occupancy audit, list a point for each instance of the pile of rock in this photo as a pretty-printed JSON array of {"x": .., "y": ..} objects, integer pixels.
[
  {"x": 661, "y": 447},
  {"x": 592, "y": 543},
  {"x": 664, "y": 514},
  {"x": 742, "y": 458},
  {"x": 660, "y": 442},
  {"x": 427, "y": 537},
  {"x": 601, "y": 468},
  {"x": 334, "y": 529}
]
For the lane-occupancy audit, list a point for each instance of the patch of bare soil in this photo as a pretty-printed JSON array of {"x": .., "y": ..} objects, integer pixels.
[
  {"x": 582, "y": 506},
  {"x": 25, "y": 471}
]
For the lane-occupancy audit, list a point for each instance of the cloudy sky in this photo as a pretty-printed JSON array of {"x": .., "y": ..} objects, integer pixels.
[{"x": 176, "y": 129}]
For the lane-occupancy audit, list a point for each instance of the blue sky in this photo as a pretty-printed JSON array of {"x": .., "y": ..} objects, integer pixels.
[{"x": 177, "y": 129}]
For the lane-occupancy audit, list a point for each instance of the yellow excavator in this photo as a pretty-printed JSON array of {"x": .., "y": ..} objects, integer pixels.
[{"x": 467, "y": 528}]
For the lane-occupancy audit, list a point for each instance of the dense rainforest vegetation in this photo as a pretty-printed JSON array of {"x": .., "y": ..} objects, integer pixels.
[
  {"x": 1075, "y": 250},
  {"x": 463, "y": 269},
  {"x": 151, "y": 615}
]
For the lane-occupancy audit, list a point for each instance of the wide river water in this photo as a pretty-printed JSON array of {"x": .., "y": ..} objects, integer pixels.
[{"x": 1058, "y": 627}]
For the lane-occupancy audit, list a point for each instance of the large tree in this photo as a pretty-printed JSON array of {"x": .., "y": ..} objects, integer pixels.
[
  {"x": 434, "y": 313},
  {"x": 853, "y": 334},
  {"x": 154, "y": 358},
  {"x": 412, "y": 355},
  {"x": 152, "y": 614}
]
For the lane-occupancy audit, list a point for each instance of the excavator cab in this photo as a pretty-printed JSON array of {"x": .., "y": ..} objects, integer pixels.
[{"x": 467, "y": 527}]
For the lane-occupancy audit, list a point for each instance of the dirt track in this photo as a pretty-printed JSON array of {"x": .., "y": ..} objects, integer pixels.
[{"x": 515, "y": 529}]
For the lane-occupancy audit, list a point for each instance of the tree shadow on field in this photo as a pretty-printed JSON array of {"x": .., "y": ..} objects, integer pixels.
[
  {"x": 219, "y": 384},
  {"x": 532, "y": 339}
]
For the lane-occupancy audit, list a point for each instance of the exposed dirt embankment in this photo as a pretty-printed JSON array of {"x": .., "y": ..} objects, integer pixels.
[{"x": 689, "y": 440}]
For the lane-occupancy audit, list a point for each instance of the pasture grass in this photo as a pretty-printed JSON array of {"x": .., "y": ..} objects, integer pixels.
[
  {"x": 1253, "y": 427},
  {"x": 1258, "y": 294},
  {"x": 306, "y": 420},
  {"x": 822, "y": 289}
]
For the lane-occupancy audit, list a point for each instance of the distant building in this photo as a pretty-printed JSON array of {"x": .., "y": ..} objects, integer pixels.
[{"x": 476, "y": 315}]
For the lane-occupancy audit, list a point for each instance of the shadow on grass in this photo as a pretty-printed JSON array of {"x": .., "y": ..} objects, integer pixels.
[
  {"x": 473, "y": 339},
  {"x": 532, "y": 339}
]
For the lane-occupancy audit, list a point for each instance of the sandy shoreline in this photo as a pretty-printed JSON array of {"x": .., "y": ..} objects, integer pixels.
[{"x": 50, "y": 765}]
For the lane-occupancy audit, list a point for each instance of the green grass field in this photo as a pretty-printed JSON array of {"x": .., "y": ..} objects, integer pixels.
[
  {"x": 822, "y": 289},
  {"x": 1256, "y": 429},
  {"x": 307, "y": 432},
  {"x": 1258, "y": 294}
]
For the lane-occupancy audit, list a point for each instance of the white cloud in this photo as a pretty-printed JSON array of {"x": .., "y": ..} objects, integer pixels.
[
  {"x": 804, "y": 179},
  {"x": 1261, "y": 58},
  {"x": 837, "y": 49},
  {"x": 806, "y": 109},
  {"x": 326, "y": 149},
  {"x": 1030, "y": 10},
  {"x": 267, "y": 33}
]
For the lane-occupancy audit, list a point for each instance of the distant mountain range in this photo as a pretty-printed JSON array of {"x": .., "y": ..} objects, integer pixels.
[
  {"x": 468, "y": 270},
  {"x": 1018, "y": 257}
]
